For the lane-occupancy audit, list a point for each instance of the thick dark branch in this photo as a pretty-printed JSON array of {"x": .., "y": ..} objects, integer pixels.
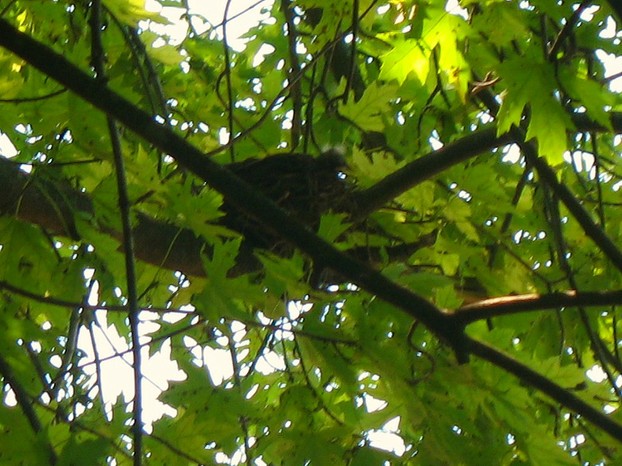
[
  {"x": 452, "y": 154},
  {"x": 584, "y": 124},
  {"x": 616, "y": 6},
  {"x": 53, "y": 207},
  {"x": 237, "y": 192},
  {"x": 562, "y": 395},
  {"x": 426, "y": 167},
  {"x": 507, "y": 305}
]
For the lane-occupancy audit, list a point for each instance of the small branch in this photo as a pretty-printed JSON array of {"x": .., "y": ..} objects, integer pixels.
[
  {"x": 293, "y": 71},
  {"x": 227, "y": 72},
  {"x": 508, "y": 305},
  {"x": 507, "y": 220},
  {"x": 548, "y": 176},
  {"x": 567, "y": 29},
  {"x": 179, "y": 452},
  {"x": 562, "y": 250},
  {"x": 237, "y": 15},
  {"x": 128, "y": 241},
  {"x": 39, "y": 370},
  {"x": 68, "y": 351},
  {"x": 425, "y": 168},
  {"x": 95, "y": 430},
  {"x": 33, "y": 99},
  {"x": 98, "y": 367},
  {"x": 352, "y": 64},
  {"x": 238, "y": 385},
  {"x": 563, "y": 396},
  {"x": 25, "y": 402},
  {"x": 305, "y": 374}
]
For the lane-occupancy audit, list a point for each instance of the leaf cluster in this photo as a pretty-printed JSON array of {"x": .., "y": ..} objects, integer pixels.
[{"x": 453, "y": 286}]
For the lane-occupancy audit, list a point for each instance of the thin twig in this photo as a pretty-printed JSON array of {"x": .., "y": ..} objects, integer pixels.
[
  {"x": 227, "y": 72},
  {"x": 233, "y": 353},
  {"x": 294, "y": 70},
  {"x": 555, "y": 222},
  {"x": 97, "y": 58},
  {"x": 33, "y": 99},
  {"x": 25, "y": 402}
]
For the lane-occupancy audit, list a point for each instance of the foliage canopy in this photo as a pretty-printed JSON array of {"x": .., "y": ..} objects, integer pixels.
[{"x": 454, "y": 277}]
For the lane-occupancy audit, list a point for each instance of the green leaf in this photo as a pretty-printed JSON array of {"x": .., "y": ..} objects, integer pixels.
[
  {"x": 533, "y": 84},
  {"x": 590, "y": 94},
  {"x": 406, "y": 57},
  {"x": 332, "y": 226},
  {"x": 369, "y": 168},
  {"x": 82, "y": 449},
  {"x": 167, "y": 54},
  {"x": 133, "y": 11},
  {"x": 369, "y": 111}
]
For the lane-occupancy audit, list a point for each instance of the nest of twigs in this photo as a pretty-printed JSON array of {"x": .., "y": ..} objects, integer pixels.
[{"x": 303, "y": 185}]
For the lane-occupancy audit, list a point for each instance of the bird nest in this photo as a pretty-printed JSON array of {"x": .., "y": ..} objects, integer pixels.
[{"x": 304, "y": 186}]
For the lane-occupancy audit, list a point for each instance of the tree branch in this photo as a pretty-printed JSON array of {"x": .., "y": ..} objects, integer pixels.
[
  {"x": 581, "y": 215},
  {"x": 616, "y": 6},
  {"x": 24, "y": 401},
  {"x": 97, "y": 61},
  {"x": 562, "y": 395},
  {"x": 426, "y": 167},
  {"x": 508, "y": 305},
  {"x": 435, "y": 162},
  {"x": 237, "y": 192}
]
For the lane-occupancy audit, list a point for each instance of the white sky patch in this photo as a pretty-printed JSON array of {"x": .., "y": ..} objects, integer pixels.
[
  {"x": 219, "y": 364},
  {"x": 7, "y": 149},
  {"x": 386, "y": 437},
  {"x": 205, "y": 15},
  {"x": 588, "y": 13},
  {"x": 264, "y": 50},
  {"x": 453, "y": 7},
  {"x": 511, "y": 153},
  {"x": 373, "y": 404},
  {"x": 270, "y": 362},
  {"x": 117, "y": 371},
  {"x": 613, "y": 67},
  {"x": 435, "y": 142},
  {"x": 596, "y": 374}
]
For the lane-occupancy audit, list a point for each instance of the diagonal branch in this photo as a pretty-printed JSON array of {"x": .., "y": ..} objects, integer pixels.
[
  {"x": 435, "y": 162},
  {"x": 237, "y": 192},
  {"x": 562, "y": 395},
  {"x": 426, "y": 167},
  {"x": 581, "y": 215},
  {"x": 249, "y": 201},
  {"x": 25, "y": 402}
]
